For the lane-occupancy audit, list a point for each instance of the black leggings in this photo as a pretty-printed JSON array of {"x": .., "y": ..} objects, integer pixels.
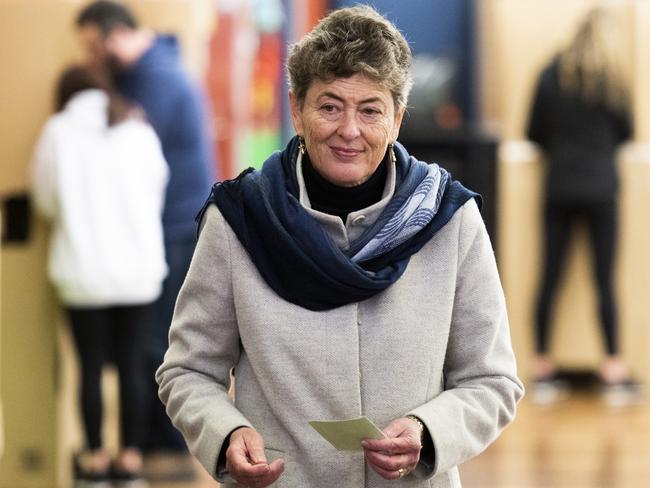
[
  {"x": 113, "y": 334},
  {"x": 601, "y": 219}
]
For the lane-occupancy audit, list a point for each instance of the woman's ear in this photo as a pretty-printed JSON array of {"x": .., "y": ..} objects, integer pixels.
[
  {"x": 399, "y": 115},
  {"x": 296, "y": 114}
]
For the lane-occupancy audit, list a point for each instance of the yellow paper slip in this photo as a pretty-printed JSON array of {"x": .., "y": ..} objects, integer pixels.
[{"x": 346, "y": 435}]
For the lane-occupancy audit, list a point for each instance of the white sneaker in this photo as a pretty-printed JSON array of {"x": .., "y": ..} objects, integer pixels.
[
  {"x": 622, "y": 393},
  {"x": 547, "y": 391}
]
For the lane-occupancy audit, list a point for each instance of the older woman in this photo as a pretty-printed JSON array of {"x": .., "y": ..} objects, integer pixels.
[{"x": 345, "y": 278}]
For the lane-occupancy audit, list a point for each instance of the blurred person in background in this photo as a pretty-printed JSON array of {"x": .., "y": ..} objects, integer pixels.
[
  {"x": 344, "y": 278},
  {"x": 99, "y": 178},
  {"x": 147, "y": 69},
  {"x": 580, "y": 115}
]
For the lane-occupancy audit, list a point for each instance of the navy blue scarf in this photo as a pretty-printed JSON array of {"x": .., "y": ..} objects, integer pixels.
[{"x": 292, "y": 252}]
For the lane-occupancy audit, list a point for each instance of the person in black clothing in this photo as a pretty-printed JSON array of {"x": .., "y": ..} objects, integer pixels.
[{"x": 579, "y": 117}]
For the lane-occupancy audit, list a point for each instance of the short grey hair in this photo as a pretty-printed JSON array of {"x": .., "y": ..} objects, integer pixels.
[{"x": 349, "y": 41}]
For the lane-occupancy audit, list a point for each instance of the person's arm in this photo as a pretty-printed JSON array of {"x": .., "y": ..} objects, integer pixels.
[
  {"x": 44, "y": 174},
  {"x": 203, "y": 347},
  {"x": 537, "y": 123},
  {"x": 624, "y": 125},
  {"x": 191, "y": 113},
  {"x": 157, "y": 169},
  {"x": 481, "y": 384}
]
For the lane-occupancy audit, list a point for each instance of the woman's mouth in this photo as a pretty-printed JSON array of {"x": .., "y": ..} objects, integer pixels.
[{"x": 345, "y": 152}]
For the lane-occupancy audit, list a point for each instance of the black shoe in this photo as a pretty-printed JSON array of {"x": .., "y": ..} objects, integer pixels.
[
  {"x": 127, "y": 479},
  {"x": 90, "y": 479}
]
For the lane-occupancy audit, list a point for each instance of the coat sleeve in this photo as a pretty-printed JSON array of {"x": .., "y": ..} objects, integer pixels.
[
  {"x": 481, "y": 386},
  {"x": 203, "y": 348},
  {"x": 44, "y": 174},
  {"x": 158, "y": 167}
]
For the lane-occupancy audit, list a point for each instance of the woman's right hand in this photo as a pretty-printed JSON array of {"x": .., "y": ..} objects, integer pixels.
[{"x": 246, "y": 461}]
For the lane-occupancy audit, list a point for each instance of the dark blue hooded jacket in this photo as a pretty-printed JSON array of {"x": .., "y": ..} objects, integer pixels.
[{"x": 175, "y": 108}]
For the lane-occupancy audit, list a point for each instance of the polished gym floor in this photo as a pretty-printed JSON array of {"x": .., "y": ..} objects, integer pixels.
[{"x": 578, "y": 443}]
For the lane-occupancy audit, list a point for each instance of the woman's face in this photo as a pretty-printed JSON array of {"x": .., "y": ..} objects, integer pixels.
[{"x": 347, "y": 125}]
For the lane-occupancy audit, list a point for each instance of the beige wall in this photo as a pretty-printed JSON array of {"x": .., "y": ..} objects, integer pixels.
[
  {"x": 642, "y": 69},
  {"x": 35, "y": 41},
  {"x": 2, "y": 417},
  {"x": 37, "y": 363},
  {"x": 519, "y": 37}
]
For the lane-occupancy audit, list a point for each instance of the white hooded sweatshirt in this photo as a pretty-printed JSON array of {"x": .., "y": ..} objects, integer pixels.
[{"x": 102, "y": 188}]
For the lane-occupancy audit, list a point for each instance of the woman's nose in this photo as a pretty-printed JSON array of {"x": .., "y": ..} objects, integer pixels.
[{"x": 349, "y": 127}]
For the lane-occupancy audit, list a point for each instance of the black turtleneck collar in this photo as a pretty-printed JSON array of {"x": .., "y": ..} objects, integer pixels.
[{"x": 341, "y": 200}]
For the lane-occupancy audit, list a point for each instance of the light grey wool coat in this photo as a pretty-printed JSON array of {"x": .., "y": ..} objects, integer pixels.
[{"x": 435, "y": 344}]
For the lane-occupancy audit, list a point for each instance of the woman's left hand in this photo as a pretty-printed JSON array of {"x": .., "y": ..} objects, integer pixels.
[{"x": 397, "y": 455}]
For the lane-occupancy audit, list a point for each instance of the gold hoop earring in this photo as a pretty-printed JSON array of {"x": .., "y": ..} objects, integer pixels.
[
  {"x": 391, "y": 153},
  {"x": 301, "y": 145}
]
